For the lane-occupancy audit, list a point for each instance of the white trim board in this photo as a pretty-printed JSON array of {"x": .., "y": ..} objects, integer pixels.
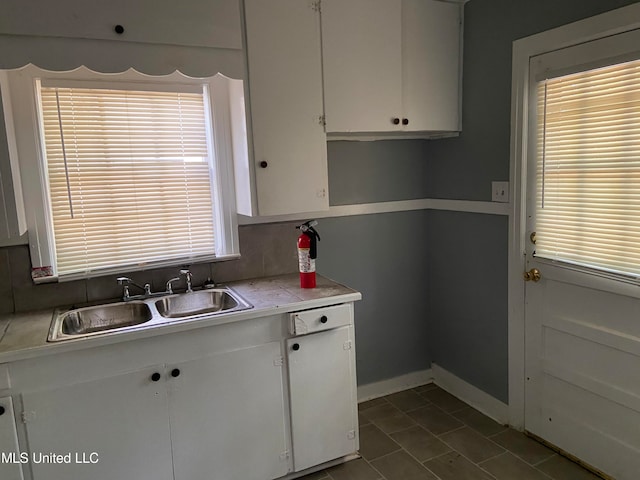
[
  {"x": 471, "y": 206},
  {"x": 393, "y": 385},
  {"x": 481, "y": 401},
  {"x": 609, "y": 23}
]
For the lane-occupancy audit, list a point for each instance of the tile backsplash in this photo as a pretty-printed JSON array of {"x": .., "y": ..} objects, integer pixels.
[{"x": 266, "y": 249}]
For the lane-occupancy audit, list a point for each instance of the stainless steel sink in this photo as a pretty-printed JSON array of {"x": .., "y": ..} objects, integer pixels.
[
  {"x": 145, "y": 313},
  {"x": 98, "y": 319},
  {"x": 198, "y": 303}
]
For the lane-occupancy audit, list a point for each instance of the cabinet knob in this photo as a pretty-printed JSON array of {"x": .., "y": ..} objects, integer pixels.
[
  {"x": 119, "y": 29},
  {"x": 395, "y": 120},
  {"x": 155, "y": 377},
  {"x": 263, "y": 164},
  {"x": 2, "y": 410},
  {"x": 323, "y": 319},
  {"x": 295, "y": 346},
  {"x": 405, "y": 121},
  {"x": 175, "y": 372}
]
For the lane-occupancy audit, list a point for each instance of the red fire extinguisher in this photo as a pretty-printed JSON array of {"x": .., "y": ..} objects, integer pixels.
[{"x": 307, "y": 253}]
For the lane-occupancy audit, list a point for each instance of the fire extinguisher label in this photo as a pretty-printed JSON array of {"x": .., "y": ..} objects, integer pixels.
[{"x": 306, "y": 263}]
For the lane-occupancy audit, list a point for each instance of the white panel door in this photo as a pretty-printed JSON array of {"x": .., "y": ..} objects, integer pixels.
[
  {"x": 324, "y": 419},
  {"x": 122, "y": 418},
  {"x": 362, "y": 64},
  {"x": 431, "y": 65},
  {"x": 9, "y": 442},
  {"x": 582, "y": 364},
  {"x": 227, "y": 415},
  {"x": 285, "y": 92}
]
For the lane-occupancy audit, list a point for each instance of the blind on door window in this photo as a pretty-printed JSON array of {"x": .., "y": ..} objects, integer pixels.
[
  {"x": 588, "y": 168},
  {"x": 128, "y": 176}
]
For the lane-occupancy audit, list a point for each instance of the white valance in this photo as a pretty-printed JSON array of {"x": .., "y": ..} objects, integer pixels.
[{"x": 108, "y": 56}]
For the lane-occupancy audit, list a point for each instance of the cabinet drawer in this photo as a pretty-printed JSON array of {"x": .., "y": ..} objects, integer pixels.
[{"x": 319, "y": 319}]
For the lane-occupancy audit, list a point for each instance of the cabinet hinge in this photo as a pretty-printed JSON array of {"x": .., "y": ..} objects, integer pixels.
[
  {"x": 351, "y": 434},
  {"x": 315, "y": 6},
  {"x": 347, "y": 345},
  {"x": 284, "y": 455},
  {"x": 27, "y": 417},
  {"x": 278, "y": 362},
  {"x": 322, "y": 120}
]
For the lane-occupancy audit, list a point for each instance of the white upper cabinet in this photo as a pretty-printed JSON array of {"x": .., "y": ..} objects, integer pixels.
[
  {"x": 285, "y": 104},
  {"x": 362, "y": 55},
  {"x": 391, "y": 66},
  {"x": 188, "y": 22}
]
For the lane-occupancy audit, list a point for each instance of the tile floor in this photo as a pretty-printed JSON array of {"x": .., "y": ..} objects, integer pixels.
[{"x": 427, "y": 434}]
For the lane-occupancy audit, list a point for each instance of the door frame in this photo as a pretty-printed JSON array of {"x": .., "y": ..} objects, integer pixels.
[{"x": 593, "y": 28}]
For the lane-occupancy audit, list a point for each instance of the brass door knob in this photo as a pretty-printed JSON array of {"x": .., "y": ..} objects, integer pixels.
[{"x": 532, "y": 275}]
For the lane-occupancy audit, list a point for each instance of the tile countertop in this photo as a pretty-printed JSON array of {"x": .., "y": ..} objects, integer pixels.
[{"x": 24, "y": 335}]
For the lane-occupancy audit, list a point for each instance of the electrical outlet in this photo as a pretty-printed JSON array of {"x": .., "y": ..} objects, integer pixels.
[{"x": 500, "y": 192}]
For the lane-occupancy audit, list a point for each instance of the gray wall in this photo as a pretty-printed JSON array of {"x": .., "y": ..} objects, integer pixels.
[
  {"x": 463, "y": 167},
  {"x": 468, "y": 253},
  {"x": 384, "y": 257},
  {"x": 382, "y": 171},
  {"x": 467, "y": 265}
]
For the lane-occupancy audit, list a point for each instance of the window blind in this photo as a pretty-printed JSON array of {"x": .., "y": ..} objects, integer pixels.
[
  {"x": 588, "y": 169},
  {"x": 128, "y": 176}
]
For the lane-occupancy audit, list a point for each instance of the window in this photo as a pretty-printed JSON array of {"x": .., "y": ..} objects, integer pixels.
[
  {"x": 588, "y": 168},
  {"x": 133, "y": 174}
]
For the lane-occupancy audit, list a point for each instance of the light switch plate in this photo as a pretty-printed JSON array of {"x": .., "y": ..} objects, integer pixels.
[{"x": 500, "y": 192}]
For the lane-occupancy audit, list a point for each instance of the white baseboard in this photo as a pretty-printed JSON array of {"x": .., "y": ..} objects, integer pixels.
[
  {"x": 466, "y": 392},
  {"x": 393, "y": 385}
]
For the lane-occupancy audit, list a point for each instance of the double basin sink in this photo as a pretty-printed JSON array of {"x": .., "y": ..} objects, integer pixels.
[{"x": 139, "y": 314}]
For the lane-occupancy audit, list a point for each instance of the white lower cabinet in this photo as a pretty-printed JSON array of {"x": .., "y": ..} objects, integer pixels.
[
  {"x": 10, "y": 468},
  {"x": 227, "y": 416},
  {"x": 324, "y": 418},
  {"x": 214, "y": 403},
  {"x": 121, "y": 418},
  {"x": 222, "y": 414}
]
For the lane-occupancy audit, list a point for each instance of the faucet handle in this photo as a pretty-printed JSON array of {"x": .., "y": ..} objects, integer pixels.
[
  {"x": 125, "y": 292},
  {"x": 187, "y": 273}
]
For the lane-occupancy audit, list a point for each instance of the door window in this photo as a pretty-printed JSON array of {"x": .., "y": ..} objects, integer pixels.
[{"x": 588, "y": 168}]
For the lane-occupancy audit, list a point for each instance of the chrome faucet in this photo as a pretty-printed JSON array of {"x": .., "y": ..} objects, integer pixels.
[
  {"x": 189, "y": 276},
  {"x": 169, "y": 287},
  {"x": 126, "y": 281},
  {"x": 146, "y": 288}
]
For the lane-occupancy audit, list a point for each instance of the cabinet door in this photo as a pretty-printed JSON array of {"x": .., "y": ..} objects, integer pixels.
[
  {"x": 431, "y": 65},
  {"x": 189, "y": 22},
  {"x": 285, "y": 93},
  {"x": 361, "y": 50},
  {"x": 227, "y": 415},
  {"x": 122, "y": 418},
  {"x": 10, "y": 469},
  {"x": 324, "y": 418}
]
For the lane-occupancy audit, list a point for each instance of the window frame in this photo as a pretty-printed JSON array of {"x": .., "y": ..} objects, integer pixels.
[
  {"x": 20, "y": 86},
  {"x": 595, "y": 53}
]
